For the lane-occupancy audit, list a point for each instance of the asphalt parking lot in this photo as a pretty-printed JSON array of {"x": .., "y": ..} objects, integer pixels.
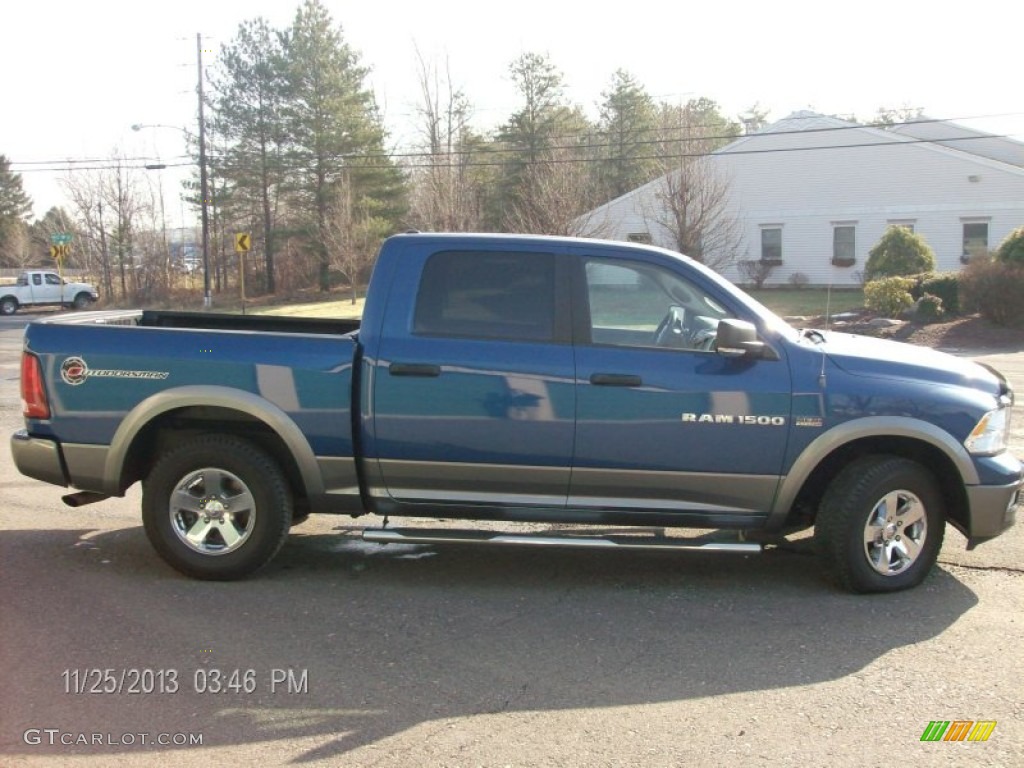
[{"x": 345, "y": 653}]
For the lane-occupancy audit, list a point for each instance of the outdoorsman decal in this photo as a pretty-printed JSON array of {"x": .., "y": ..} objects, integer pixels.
[
  {"x": 729, "y": 418},
  {"x": 75, "y": 371}
]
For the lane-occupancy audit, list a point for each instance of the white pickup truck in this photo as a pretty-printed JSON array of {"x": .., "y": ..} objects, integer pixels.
[{"x": 38, "y": 287}]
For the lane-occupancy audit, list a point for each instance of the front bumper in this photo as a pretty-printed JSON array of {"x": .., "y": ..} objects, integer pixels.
[
  {"x": 38, "y": 458},
  {"x": 993, "y": 509}
]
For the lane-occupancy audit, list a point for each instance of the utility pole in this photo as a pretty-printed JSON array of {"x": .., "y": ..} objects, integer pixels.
[{"x": 204, "y": 190}]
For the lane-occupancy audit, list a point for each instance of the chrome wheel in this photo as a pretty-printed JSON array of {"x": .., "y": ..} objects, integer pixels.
[
  {"x": 212, "y": 511},
  {"x": 895, "y": 532},
  {"x": 880, "y": 524}
]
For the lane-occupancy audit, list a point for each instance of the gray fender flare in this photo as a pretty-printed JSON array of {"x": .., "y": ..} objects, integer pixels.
[
  {"x": 872, "y": 426},
  {"x": 218, "y": 397}
]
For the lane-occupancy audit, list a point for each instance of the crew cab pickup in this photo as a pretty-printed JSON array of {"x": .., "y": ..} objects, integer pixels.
[
  {"x": 517, "y": 378},
  {"x": 41, "y": 287}
]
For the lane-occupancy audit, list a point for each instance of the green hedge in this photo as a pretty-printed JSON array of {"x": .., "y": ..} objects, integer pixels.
[
  {"x": 944, "y": 285},
  {"x": 899, "y": 252},
  {"x": 994, "y": 288},
  {"x": 889, "y": 296},
  {"x": 1011, "y": 250}
]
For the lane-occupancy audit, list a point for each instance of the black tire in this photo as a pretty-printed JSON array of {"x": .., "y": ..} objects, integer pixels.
[
  {"x": 237, "y": 524},
  {"x": 8, "y": 305},
  {"x": 880, "y": 525},
  {"x": 82, "y": 301}
]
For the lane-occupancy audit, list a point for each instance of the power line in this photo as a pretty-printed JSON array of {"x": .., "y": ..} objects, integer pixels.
[
  {"x": 350, "y": 157},
  {"x": 108, "y": 164}
]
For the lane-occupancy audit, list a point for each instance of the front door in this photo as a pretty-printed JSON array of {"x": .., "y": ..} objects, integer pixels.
[
  {"x": 52, "y": 290},
  {"x": 664, "y": 422}
]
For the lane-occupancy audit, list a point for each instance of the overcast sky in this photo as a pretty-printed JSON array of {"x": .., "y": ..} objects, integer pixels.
[{"x": 76, "y": 75}]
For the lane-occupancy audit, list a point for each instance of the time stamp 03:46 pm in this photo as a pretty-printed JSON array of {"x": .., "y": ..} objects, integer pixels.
[{"x": 202, "y": 680}]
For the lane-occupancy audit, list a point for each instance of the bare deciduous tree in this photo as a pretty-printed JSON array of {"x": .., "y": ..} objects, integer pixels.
[
  {"x": 757, "y": 271},
  {"x": 114, "y": 217},
  {"x": 560, "y": 188},
  {"x": 690, "y": 204},
  {"x": 92, "y": 219},
  {"x": 119, "y": 192},
  {"x": 446, "y": 193},
  {"x": 352, "y": 236}
]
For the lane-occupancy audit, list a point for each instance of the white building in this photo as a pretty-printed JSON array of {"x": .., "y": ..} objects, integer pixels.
[{"x": 815, "y": 193}]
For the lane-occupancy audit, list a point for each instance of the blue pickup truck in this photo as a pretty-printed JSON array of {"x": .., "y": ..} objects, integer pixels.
[{"x": 530, "y": 379}]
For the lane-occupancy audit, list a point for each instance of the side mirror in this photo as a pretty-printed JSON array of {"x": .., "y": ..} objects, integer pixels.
[{"x": 738, "y": 338}]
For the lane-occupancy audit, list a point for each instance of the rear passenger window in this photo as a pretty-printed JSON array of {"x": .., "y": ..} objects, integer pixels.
[{"x": 486, "y": 294}]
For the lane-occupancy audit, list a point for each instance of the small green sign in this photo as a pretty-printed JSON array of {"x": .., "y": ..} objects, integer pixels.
[{"x": 60, "y": 238}]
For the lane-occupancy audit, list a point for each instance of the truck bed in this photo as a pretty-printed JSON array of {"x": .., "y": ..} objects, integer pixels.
[{"x": 209, "y": 321}]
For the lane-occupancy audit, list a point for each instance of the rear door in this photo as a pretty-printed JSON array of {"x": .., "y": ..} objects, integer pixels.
[
  {"x": 664, "y": 422},
  {"x": 473, "y": 388},
  {"x": 37, "y": 289}
]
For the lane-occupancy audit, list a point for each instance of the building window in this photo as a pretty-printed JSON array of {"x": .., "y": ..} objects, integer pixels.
[
  {"x": 639, "y": 237},
  {"x": 975, "y": 240},
  {"x": 844, "y": 245},
  {"x": 771, "y": 244}
]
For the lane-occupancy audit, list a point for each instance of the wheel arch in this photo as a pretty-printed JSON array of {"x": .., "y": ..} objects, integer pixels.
[
  {"x": 174, "y": 415},
  {"x": 936, "y": 450}
]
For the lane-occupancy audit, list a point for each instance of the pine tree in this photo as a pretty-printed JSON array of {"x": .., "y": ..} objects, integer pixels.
[
  {"x": 627, "y": 130},
  {"x": 15, "y": 208},
  {"x": 249, "y": 95},
  {"x": 533, "y": 142},
  {"x": 334, "y": 130}
]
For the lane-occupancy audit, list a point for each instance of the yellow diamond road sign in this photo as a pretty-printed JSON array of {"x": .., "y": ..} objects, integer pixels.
[
  {"x": 60, "y": 251},
  {"x": 242, "y": 242}
]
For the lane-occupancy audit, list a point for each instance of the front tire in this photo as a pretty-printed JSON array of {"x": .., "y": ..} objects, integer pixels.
[
  {"x": 880, "y": 525},
  {"x": 8, "y": 305},
  {"x": 217, "y": 507},
  {"x": 82, "y": 301}
]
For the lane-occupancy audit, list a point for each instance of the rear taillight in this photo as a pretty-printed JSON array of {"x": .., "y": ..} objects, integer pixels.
[{"x": 33, "y": 394}]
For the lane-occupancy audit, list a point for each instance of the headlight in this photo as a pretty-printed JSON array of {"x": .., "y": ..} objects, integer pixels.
[{"x": 989, "y": 436}]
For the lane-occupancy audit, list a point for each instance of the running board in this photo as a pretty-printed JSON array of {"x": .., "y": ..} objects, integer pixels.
[{"x": 442, "y": 536}]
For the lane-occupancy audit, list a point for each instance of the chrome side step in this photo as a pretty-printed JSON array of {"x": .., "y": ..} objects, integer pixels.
[{"x": 450, "y": 536}]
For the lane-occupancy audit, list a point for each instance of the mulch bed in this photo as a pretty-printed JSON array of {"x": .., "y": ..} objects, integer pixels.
[{"x": 971, "y": 332}]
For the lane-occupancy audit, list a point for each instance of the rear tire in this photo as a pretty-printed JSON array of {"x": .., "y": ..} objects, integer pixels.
[
  {"x": 217, "y": 507},
  {"x": 880, "y": 525},
  {"x": 8, "y": 305}
]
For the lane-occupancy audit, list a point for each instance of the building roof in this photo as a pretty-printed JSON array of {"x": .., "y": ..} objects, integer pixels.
[
  {"x": 805, "y": 130},
  {"x": 964, "y": 139},
  {"x": 809, "y": 130},
  {"x": 805, "y": 120}
]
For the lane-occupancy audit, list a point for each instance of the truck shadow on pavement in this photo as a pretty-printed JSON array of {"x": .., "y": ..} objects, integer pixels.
[{"x": 398, "y": 637}]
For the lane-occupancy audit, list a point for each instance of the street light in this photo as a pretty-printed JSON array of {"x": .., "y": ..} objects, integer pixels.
[{"x": 204, "y": 195}]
